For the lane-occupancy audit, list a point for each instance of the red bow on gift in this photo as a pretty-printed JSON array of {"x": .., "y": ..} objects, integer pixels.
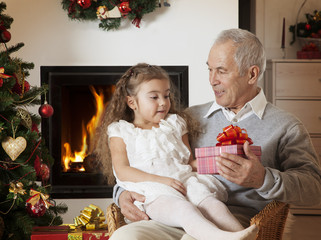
[{"x": 233, "y": 135}]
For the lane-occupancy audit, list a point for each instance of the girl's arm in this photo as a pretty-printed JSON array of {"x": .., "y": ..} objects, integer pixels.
[
  {"x": 125, "y": 172},
  {"x": 191, "y": 161}
]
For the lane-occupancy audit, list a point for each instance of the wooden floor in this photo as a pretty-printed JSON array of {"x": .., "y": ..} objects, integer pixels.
[{"x": 300, "y": 227}]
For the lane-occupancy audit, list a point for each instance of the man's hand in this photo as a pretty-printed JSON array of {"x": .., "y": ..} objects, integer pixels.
[
  {"x": 244, "y": 172},
  {"x": 128, "y": 209}
]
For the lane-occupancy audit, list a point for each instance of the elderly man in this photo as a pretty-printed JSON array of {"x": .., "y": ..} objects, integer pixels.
[{"x": 288, "y": 170}]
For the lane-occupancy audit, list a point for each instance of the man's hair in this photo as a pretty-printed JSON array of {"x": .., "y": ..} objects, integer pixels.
[{"x": 249, "y": 49}]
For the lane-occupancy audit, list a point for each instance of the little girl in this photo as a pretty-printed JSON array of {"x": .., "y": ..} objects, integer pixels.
[{"x": 151, "y": 155}]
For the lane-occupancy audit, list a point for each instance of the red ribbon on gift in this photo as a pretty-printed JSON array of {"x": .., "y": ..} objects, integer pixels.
[{"x": 233, "y": 135}]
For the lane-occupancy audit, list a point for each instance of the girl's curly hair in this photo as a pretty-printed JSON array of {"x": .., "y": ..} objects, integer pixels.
[{"x": 117, "y": 109}]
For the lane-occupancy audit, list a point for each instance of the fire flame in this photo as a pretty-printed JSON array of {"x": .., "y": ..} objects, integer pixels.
[{"x": 88, "y": 133}]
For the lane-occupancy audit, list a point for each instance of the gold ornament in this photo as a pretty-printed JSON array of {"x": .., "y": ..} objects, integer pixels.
[
  {"x": 2, "y": 75},
  {"x": 14, "y": 146},
  {"x": 102, "y": 12},
  {"x": 25, "y": 117},
  {"x": 17, "y": 188}
]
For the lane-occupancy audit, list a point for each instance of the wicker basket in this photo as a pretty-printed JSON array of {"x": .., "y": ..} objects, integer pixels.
[
  {"x": 309, "y": 54},
  {"x": 306, "y": 41}
]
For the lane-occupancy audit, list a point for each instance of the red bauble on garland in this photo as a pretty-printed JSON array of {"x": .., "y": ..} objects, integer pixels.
[
  {"x": 84, "y": 3},
  {"x": 124, "y": 8},
  {"x": 46, "y": 110},
  {"x": 308, "y": 27},
  {"x": 37, "y": 210}
]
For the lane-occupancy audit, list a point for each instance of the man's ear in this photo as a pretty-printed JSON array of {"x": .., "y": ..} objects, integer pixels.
[
  {"x": 131, "y": 102},
  {"x": 253, "y": 74}
]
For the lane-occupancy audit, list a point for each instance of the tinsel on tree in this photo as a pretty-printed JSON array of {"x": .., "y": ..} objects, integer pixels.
[
  {"x": 110, "y": 12},
  {"x": 24, "y": 159}
]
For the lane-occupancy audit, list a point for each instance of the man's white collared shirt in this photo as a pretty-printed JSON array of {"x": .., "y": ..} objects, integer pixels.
[{"x": 255, "y": 106}]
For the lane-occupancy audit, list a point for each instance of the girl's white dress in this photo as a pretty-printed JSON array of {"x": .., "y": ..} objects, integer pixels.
[{"x": 161, "y": 151}]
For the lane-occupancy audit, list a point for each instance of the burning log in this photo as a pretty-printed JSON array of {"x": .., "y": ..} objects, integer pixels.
[{"x": 76, "y": 167}]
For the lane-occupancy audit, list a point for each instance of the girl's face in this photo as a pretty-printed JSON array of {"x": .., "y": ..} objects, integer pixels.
[{"x": 151, "y": 104}]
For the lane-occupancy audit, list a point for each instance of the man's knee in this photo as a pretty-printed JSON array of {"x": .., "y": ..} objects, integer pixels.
[
  {"x": 130, "y": 232},
  {"x": 147, "y": 230},
  {"x": 187, "y": 237}
]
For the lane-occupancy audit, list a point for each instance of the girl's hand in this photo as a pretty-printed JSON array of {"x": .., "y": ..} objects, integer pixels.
[
  {"x": 193, "y": 163},
  {"x": 177, "y": 185}
]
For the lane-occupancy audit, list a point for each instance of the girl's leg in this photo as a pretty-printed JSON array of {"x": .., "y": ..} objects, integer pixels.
[
  {"x": 219, "y": 214},
  {"x": 181, "y": 213}
]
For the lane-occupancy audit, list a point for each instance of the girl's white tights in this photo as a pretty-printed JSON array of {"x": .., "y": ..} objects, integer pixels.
[
  {"x": 177, "y": 212},
  {"x": 219, "y": 214}
]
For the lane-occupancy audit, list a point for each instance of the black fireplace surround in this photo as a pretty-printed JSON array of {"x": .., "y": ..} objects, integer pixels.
[{"x": 73, "y": 79}]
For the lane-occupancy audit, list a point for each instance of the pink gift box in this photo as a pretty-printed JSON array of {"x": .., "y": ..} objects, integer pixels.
[{"x": 205, "y": 156}]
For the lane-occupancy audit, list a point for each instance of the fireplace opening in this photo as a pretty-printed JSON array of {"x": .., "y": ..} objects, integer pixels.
[
  {"x": 79, "y": 95},
  {"x": 81, "y": 113}
]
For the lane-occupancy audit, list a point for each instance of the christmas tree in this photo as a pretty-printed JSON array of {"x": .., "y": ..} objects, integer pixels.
[{"x": 24, "y": 159}]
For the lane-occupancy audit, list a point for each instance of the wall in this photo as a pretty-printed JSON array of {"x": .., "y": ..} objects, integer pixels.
[
  {"x": 179, "y": 35},
  {"x": 269, "y": 20}
]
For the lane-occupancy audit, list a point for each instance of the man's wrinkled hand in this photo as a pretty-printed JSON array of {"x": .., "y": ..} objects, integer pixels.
[
  {"x": 248, "y": 172},
  {"x": 129, "y": 209}
]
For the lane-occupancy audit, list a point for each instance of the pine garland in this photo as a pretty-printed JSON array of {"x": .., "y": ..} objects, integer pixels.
[{"x": 91, "y": 10}]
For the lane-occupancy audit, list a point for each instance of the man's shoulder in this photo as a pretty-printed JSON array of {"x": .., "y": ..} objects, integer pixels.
[
  {"x": 278, "y": 114},
  {"x": 200, "y": 108}
]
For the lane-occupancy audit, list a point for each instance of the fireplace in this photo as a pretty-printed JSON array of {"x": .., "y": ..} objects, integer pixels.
[{"x": 77, "y": 94}]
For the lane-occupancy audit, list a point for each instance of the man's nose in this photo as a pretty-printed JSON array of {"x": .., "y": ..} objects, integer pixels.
[{"x": 213, "y": 79}]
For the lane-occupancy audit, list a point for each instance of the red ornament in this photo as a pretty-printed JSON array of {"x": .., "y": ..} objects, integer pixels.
[
  {"x": 1, "y": 82},
  {"x": 124, "y": 8},
  {"x": 44, "y": 172},
  {"x": 5, "y": 36},
  {"x": 37, "y": 204},
  {"x": 46, "y": 110},
  {"x": 36, "y": 210},
  {"x": 84, "y": 3},
  {"x": 18, "y": 88},
  {"x": 307, "y": 27}
]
